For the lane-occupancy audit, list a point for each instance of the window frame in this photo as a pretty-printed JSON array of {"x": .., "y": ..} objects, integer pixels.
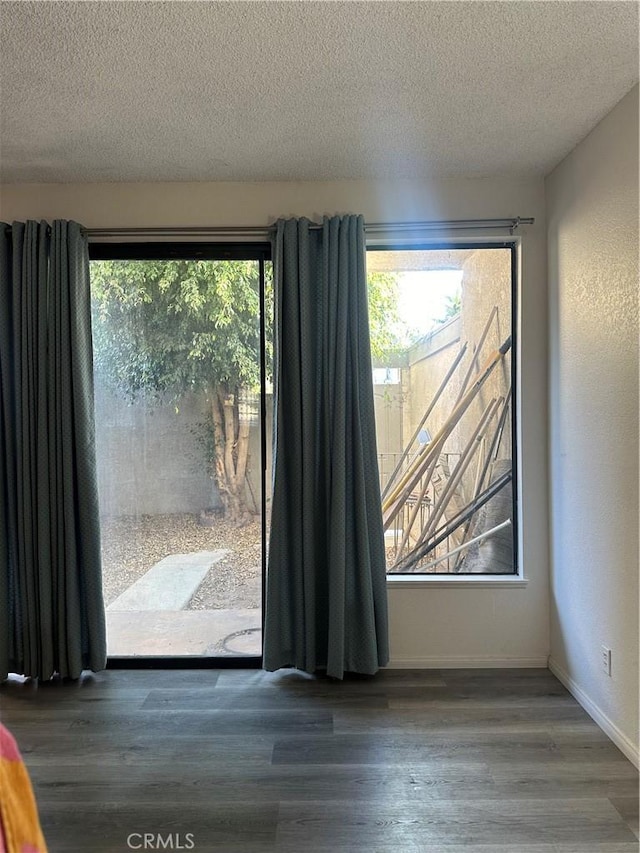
[
  {"x": 198, "y": 251},
  {"x": 517, "y": 577}
]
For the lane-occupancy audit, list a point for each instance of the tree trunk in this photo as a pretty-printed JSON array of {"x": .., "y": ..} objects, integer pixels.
[{"x": 231, "y": 439}]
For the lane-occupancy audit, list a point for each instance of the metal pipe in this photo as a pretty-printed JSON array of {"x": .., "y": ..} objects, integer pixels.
[
  {"x": 417, "y": 554},
  {"x": 467, "y": 544},
  {"x": 417, "y": 468},
  {"x": 490, "y": 456},
  {"x": 406, "y": 533},
  {"x": 463, "y": 463},
  {"x": 476, "y": 352},
  {"x": 430, "y": 408}
]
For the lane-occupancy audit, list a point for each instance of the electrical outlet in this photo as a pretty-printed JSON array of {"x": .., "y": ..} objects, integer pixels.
[{"x": 605, "y": 657}]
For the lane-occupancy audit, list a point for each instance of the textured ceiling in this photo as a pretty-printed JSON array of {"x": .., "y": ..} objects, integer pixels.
[{"x": 253, "y": 91}]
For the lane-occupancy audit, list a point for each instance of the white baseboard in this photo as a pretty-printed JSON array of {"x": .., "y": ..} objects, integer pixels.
[
  {"x": 459, "y": 662},
  {"x": 624, "y": 744}
]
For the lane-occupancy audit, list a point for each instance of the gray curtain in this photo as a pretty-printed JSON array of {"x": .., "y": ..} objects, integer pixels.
[
  {"x": 51, "y": 607},
  {"x": 326, "y": 604}
]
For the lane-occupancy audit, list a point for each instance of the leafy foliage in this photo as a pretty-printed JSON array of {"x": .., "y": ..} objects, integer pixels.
[
  {"x": 166, "y": 328},
  {"x": 389, "y": 335},
  {"x": 176, "y": 326},
  {"x": 453, "y": 306}
]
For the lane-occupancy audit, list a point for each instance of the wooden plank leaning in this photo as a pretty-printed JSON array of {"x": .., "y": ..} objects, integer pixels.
[
  {"x": 430, "y": 408},
  {"x": 414, "y": 472},
  {"x": 441, "y": 504},
  {"x": 410, "y": 562},
  {"x": 473, "y": 364},
  {"x": 490, "y": 457},
  {"x": 464, "y": 462}
]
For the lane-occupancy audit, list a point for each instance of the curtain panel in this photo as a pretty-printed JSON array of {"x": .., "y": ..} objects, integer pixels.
[
  {"x": 326, "y": 605},
  {"x": 51, "y": 607}
]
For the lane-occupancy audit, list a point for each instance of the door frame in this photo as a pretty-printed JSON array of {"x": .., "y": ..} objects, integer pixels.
[{"x": 199, "y": 251}]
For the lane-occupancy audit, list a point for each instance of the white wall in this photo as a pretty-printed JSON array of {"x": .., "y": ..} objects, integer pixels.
[
  {"x": 430, "y": 625},
  {"x": 592, "y": 213}
]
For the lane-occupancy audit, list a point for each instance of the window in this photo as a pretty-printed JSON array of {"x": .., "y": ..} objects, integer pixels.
[{"x": 442, "y": 326}]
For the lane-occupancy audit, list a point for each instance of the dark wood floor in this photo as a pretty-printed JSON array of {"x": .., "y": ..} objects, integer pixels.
[{"x": 242, "y": 761}]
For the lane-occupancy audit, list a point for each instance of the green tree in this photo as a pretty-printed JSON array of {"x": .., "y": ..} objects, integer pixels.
[
  {"x": 390, "y": 335},
  {"x": 165, "y": 328},
  {"x": 452, "y": 307}
]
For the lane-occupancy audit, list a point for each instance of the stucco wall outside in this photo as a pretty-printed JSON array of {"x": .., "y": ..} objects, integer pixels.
[
  {"x": 592, "y": 202},
  {"x": 150, "y": 458},
  {"x": 388, "y": 401},
  {"x": 428, "y": 363},
  {"x": 486, "y": 283}
]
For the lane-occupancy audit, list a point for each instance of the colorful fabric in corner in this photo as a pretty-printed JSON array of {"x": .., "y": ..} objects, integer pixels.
[{"x": 20, "y": 830}]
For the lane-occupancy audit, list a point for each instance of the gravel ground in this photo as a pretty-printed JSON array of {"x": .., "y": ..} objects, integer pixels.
[{"x": 132, "y": 545}]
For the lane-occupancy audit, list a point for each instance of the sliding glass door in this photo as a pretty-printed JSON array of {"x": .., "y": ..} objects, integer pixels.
[{"x": 181, "y": 414}]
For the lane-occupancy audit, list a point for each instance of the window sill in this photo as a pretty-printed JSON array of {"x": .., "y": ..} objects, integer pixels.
[{"x": 494, "y": 581}]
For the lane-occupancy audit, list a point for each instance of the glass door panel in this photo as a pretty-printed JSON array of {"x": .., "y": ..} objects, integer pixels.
[{"x": 180, "y": 410}]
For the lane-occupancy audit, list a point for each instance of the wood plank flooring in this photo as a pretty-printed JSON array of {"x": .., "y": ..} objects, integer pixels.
[{"x": 243, "y": 761}]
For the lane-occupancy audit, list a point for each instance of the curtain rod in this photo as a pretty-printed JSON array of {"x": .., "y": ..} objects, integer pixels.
[{"x": 511, "y": 223}]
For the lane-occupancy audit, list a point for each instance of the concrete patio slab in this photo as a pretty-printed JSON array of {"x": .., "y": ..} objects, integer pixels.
[
  {"x": 184, "y": 633},
  {"x": 170, "y": 584}
]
